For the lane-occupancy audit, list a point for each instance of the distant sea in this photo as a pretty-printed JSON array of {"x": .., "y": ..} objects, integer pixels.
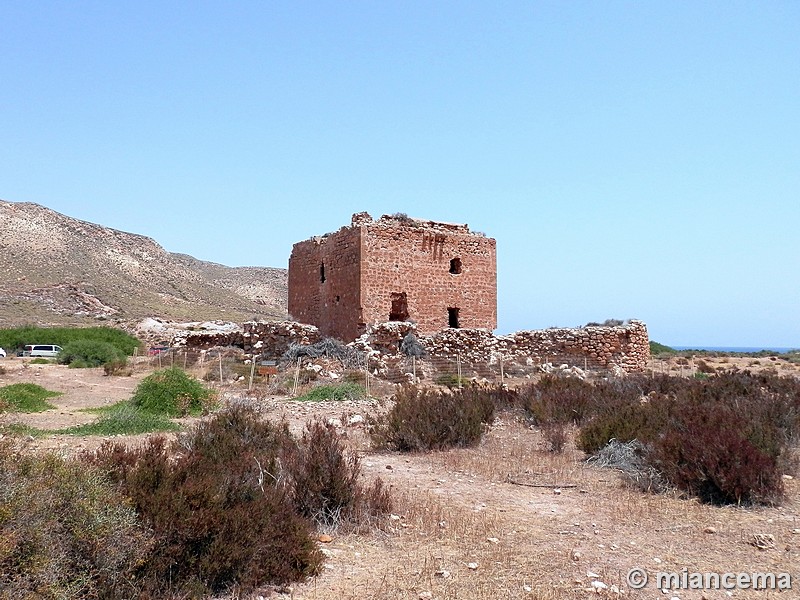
[{"x": 747, "y": 349}]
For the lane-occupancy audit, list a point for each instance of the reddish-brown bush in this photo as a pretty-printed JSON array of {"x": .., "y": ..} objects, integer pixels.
[
  {"x": 725, "y": 439},
  {"x": 217, "y": 506},
  {"x": 428, "y": 419},
  {"x": 324, "y": 479},
  {"x": 708, "y": 455}
]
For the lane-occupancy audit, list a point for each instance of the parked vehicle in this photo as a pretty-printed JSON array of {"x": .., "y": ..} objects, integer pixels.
[
  {"x": 42, "y": 350},
  {"x": 2, "y": 353}
]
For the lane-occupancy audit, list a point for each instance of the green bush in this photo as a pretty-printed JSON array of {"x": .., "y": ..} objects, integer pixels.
[
  {"x": 17, "y": 338},
  {"x": 656, "y": 348},
  {"x": 336, "y": 392},
  {"x": 25, "y": 397},
  {"x": 172, "y": 393},
  {"x": 65, "y": 532},
  {"x": 427, "y": 419},
  {"x": 89, "y": 353}
]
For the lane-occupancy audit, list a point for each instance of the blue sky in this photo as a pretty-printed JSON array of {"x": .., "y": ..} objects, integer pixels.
[{"x": 632, "y": 159}]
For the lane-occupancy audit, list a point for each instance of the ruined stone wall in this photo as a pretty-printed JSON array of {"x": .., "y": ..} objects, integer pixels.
[
  {"x": 325, "y": 283},
  {"x": 410, "y": 261},
  {"x": 625, "y": 348},
  {"x": 269, "y": 339}
]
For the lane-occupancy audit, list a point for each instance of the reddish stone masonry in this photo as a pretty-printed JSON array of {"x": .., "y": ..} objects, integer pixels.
[{"x": 438, "y": 275}]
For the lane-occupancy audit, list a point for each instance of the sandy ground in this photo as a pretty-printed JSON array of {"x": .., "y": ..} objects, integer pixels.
[{"x": 469, "y": 523}]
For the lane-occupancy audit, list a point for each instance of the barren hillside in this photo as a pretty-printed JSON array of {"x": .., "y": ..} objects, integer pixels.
[{"x": 55, "y": 269}]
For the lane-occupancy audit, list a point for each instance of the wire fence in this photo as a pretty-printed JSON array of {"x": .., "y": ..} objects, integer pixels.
[{"x": 284, "y": 375}]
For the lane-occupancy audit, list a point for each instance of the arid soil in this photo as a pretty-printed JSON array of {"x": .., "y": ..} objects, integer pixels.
[{"x": 507, "y": 519}]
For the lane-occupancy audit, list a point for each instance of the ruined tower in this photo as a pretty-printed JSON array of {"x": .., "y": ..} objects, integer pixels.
[{"x": 438, "y": 275}]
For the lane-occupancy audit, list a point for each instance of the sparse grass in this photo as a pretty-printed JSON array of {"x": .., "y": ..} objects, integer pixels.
[
  {"x": 26, "y": 398},
  {"x": 123, "y": 418},
  {"x": 20, "y": 429},
  {"x": 335, "y": 392},
  {"x": 451, "y": 380}
]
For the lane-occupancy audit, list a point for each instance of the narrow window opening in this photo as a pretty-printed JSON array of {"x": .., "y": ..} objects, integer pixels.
[
  {"x": 452, "y": 318},
  {"x": 338, "y": 298},
  {"x": 322, "y": 273},
  {"x": 399, "y": 310},
  {"x": 455, "y": 266}
]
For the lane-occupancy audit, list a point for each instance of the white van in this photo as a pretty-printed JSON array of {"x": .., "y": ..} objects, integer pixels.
[{"x": 43, "y": 350}]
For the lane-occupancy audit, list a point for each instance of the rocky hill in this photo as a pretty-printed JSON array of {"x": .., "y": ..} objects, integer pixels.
[{"x": 57, "y": 270}]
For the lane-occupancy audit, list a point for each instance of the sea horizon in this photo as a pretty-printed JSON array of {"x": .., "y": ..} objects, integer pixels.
[{"x": 744, "y": 349}]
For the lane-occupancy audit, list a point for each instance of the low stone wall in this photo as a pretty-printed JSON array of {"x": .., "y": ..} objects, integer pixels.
[
  {"x": 624, "y": 347},
  {"x": 266, "y": 338},
  {"x": 617, "y": 348}
]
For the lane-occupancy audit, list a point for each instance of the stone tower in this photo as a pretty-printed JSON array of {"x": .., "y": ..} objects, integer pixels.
[{"x": 438, "y": 275}]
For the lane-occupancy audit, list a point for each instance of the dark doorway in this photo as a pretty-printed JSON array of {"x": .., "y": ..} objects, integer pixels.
[
  {"x": 455, "y": 266},
  {"x": 452, "y": 318},
  {"x": 399, "y": 310},
  {"x": 322, "y": 273}
]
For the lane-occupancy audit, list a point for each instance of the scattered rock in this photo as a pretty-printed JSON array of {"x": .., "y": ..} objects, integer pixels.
[
  {"x": 710, "y": 529},
  {"x": 575, "y": 555},
  {"x": 763, "y": 541},
  {"x": 473, "y": 566},
  {"x": 325, "y": 538},
  {"x": 443, "y": 573},
  {"x": 599, "y": 585},
  {"x": 355, "y": 420}
]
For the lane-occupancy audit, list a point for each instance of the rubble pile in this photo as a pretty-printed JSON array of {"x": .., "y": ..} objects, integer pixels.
[{"x": 273, "y": 338}]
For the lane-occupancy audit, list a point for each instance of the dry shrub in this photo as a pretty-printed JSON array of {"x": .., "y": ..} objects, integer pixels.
[
  {"x": 429, "y": 419},
  {"x": 231, "y": 503},
  {"x": 325, "y": 479},
  {"x": 119, "y": 368},
  {"x": 704, "y": 367},
  {"x": 556, "y": 436},
  {"x": 710, "y": 457},
  {"x": 567, "y": 400},
  {"x": 218, "y": 506},
  {"x": 65, "y": 532},
  {"x": 725, "y": 439}
]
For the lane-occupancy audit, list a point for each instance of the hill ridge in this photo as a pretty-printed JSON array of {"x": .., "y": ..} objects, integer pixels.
[{"x": 56, "y": 269}]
